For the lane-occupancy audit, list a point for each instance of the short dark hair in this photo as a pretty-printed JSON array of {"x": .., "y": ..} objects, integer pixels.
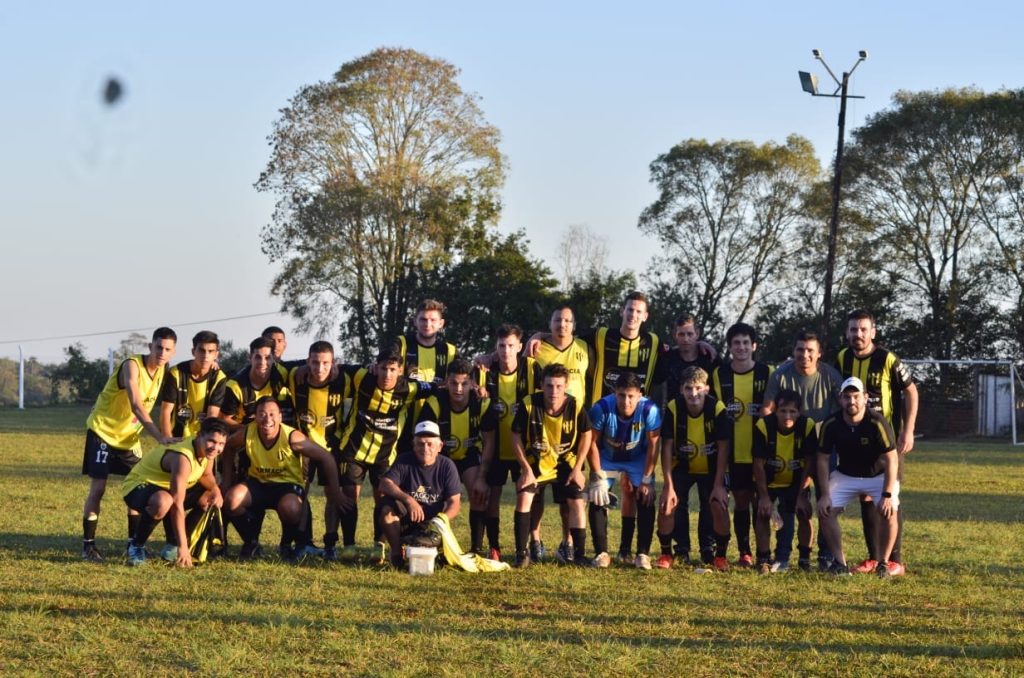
[
  {"x": 686, "y": 319},
  {"x": 391, "y": 354},
  {"x": 205, "y": 337},
  {"x": 860, "y": 314},
  {"x": 629, "y": 380},
  {"x": 164, "y": 333},
  {"x": 741, "y": 329},
  {"x": 431, "y": 305},
  {"x": 270, "y": 331},
  {"x": 787, "y": 395},
  {"x": 555, "y": 370},
  {"x": 636, "y": 295},
  {"x": 459, "y": 366},
  {"x": 564, "y": 307},
  {"x": 321, "y": 347},
  {"x": 510, "y": 330},
  {"x": 214, "y": 425},
  {"x": 808, "y": 335},
  {"x": 264, "y": 400},
  {"x": 260, "y": 342}
]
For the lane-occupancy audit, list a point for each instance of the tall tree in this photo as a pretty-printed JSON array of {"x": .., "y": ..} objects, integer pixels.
[
  {"x": 387, "y": 168},
  {"x": 724, "y": 217}
]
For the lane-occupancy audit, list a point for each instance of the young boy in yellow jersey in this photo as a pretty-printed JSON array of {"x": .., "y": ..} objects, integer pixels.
[
  {"x": 467, "y": 423},
  {"x": 275, "y": 479},
  {"x": 695, "y": 434},
  {"x": 193, "y": 389},
  {"x": 117, "y": 419},
  {"x": 509, "y": 379},
  {"x": 740, "y": 386},
  {"x": 785, "y": 443},
  {"x": 162, "y": 487},
  {"x": 551, "y": 438}
]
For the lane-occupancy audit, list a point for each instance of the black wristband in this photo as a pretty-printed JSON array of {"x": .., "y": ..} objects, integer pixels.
[{"x": 887, "y": 495}]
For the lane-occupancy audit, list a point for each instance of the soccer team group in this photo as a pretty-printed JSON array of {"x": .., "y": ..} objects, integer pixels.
[{"x": 574, "y": 412}]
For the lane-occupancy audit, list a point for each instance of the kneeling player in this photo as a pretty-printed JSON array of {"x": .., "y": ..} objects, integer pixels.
[
  {"x": 551, "y": 435},
  {"x": 784, "y": 447},
  {"x": 170, "y": 480},
  {"x": 625, "y": 439},
  {"x": 275, "y": 478}
]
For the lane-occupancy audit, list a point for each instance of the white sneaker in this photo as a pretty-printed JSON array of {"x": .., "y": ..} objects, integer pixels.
[
  {"x": 602, "y": 559},
  {"x": 643, "y": 561}
]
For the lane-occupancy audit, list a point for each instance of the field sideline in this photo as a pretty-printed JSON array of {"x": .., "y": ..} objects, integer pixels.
[{"x": 957, "y": 612}]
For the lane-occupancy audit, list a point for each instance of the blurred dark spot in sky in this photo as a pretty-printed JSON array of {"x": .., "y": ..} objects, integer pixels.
[{"x": 113, "y": 91}]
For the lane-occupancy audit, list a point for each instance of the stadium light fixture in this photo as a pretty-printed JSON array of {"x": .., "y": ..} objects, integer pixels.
[{"x": 809, "y": 83}]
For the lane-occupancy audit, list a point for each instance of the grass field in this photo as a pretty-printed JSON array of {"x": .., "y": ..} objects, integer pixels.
[{"x": 958, "y": 611}]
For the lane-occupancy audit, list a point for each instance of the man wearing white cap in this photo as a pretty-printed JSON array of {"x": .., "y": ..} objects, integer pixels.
[
  {"x": 420, "y": 485},
  {"x": 868, "y": 463}
]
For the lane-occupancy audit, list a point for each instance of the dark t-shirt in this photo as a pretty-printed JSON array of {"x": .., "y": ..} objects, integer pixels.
[
  {"x": 429, "y": 485},
  {"x": 860, "y": 447},
  {"x": 671, "y": 366}
]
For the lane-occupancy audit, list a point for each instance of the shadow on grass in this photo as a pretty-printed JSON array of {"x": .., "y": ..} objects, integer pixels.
[{"x": 994, "y": 508}]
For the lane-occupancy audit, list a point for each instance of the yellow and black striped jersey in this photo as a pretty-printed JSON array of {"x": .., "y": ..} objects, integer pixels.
[
  {"x": 425, "y": 363},
  {"x": 462, "y": 431},
  {"x": 192, "y": 397},
  {"x": 885, "y": 377},
  {"x": 742, "y": 393},
  {"x": 550, "y": 439},
  {"x": 240, "y": 396},
  {"x": 575, "y": 357},
  {"x": 318, "y": 408},
  {"x": 695, "y": 437},
  {"x": 376, "y": 417},
  {"x": 506, "y": 391},
  {"x": 278, "y": 463},
  {"x": 611, "y": 354},
  {"x": 112, "y": 418},
  {"x": 150, "y": 468},
  {"x": 785, "y": 453}
]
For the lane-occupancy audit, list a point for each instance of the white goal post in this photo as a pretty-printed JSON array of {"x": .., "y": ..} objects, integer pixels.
[{"x": 968, "y": 398}]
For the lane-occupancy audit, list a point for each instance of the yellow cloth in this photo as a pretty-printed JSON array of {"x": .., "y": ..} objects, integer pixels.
[{"x": 470, "y": 562}]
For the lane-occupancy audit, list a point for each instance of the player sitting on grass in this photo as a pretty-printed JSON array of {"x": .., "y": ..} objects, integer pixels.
[
  {"x": 784, "y": 445},
  {"x": 170, "y": 480}
]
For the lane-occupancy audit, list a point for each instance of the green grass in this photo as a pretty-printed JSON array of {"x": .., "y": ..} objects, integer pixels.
[{"x": 957, "y": 612}]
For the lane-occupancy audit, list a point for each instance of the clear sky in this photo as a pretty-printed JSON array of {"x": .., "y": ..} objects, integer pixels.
[{"x": 144, "y": 214}]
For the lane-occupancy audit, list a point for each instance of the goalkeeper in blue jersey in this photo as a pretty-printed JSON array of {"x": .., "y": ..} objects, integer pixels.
[{"x": 626, "y": 427}]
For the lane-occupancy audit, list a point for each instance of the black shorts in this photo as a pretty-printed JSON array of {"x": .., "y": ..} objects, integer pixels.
[
  {"x": 100, "y": 459},
  {"x": 741, "y": 477},
  {"x": 559, "y": 490},
  {"x": 402, "y": 511},
  {"x": 471, "y": 459},
  {"x": 353, "y": 473},
  {"x": 683, "y": 481},
  {"x": 786, "y": 496},
  {"x": 499, "y": 471},
  {"x": 268, "y": 495},
  {"x": 138, "y": 498},
  {"x": 318, "y": 474}
]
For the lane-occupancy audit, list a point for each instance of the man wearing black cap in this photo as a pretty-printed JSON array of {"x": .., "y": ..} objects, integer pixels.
[
  {"x": 868, "y": 463},
  {"x": 420, "y": 485}
]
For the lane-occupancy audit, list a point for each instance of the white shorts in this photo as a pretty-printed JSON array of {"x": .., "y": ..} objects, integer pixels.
[{"x": 843, "y": 489}]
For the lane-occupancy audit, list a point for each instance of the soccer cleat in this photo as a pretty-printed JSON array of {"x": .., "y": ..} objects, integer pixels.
[
  {"x": 602, "y": 559},
  {"x": 287, "y": 554},
  {"x": 538, "y": 553},
  {"x": 839, "y": 569},
  {"x": 683, "y": 558},
  {"x": 494, "y": 554},
  {"x": 580, "y": 560},
  {"x": 721, "y": 563},
  {"x": 169, "y": 553},
  {"x": 380, "y": 553},
  {"x": 136, "y": 556},
  {"x": 896, "y": 568},
  {"x": 250, "y": 551},
  {"x": 564, "y": 554},
  {"x": 310, "y": 551},
  {"x": 882, "y": 570},
  {"x": 625, "y": 558},
  {"x": 349, "y": 552},
  {"x": 642, "y": 562},
  {"x": 783, "y": 566},
  {"x": 330, "y": 554},
  {"x": 664, "y": 562},
  {"x": 865, "y": 566},
  {"x": 825, "y": 564},
  {"x": 745, "y": 560},
  {"x": 804, "y": 564},
  {"x": 90, "y": 554},
  {"x": 764, "y": 568},
  {"x": 522, "y": 560}
]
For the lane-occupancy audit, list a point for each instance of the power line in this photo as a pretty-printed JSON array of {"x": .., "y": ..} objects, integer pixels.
[{"x": 137, "y": 329}]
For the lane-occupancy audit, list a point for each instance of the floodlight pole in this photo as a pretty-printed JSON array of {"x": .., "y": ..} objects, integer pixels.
[{"x": 837, "y": 180}]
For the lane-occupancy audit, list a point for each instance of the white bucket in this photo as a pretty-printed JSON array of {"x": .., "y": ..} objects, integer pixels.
[{"x": 421, "y": 559}]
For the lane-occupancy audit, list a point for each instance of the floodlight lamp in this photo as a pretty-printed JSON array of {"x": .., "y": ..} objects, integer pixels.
[
  {"x": 863, "y": 54},
  {"x": 809, "y": 82},
  {"x": 816, "y": 53}
]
